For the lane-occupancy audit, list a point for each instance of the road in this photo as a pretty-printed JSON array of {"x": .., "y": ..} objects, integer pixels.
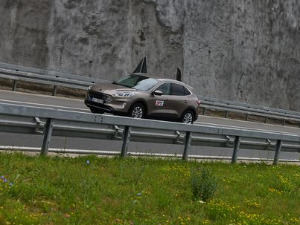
[{"x": 76, "y": 143}]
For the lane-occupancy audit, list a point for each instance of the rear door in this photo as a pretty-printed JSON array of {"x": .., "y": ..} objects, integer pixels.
[{"x": 178, "y": 101}]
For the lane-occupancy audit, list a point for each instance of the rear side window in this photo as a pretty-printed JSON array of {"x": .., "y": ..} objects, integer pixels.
[
  {"x": 186, "y": 91},
  {"x": 177, "y": 89}
]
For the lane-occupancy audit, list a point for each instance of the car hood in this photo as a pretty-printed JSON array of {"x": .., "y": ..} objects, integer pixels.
[{"x": 110, "y": 88}]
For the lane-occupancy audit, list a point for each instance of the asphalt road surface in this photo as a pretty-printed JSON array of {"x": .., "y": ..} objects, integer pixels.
[{"x": 92, "y": 144}]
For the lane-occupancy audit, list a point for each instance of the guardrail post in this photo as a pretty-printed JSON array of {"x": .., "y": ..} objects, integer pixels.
[
  {"x": 235, "y": 149},
  {"x": 14, "y": 87},
  {"x": 187, "y": 145},
  {"x": 126, "y": 139},
  {"x": 47, "y": 136},
  {"x": 277, "y": 151},
  {"x": 54, "y": 90},
  {"x": 226, "y": 114}
]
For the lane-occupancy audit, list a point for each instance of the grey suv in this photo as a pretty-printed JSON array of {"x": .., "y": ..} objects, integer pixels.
[{"x": 141, "y": 96}]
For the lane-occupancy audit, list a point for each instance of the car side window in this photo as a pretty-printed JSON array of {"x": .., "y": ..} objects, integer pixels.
[
  {"x": 178, "y": 90},
  {"x": 186, "y": 91},
  {"x": 165, "y": 88}
]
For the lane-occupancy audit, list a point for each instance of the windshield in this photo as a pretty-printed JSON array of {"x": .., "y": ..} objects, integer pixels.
[{"x": 138, "y": 82}]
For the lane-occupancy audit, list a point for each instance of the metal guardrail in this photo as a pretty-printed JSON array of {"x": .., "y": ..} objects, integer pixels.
[
  {"x": 248, "y": 109},
  {"x": 53, "y": 122},
  {"x": 21, "y": 73}
]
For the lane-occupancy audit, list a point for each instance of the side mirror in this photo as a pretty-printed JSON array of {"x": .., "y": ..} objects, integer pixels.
[{"x": 157, "y": 92}]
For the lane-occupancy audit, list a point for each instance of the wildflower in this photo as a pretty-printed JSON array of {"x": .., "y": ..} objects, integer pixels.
[
  {"x": 139, "y": 194},
  {"x": 88, "y": 162},
  {"x": 2, "y": 177}
]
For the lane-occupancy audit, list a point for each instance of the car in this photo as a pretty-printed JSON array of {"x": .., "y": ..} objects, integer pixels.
[{"x": 142, "y": 96}]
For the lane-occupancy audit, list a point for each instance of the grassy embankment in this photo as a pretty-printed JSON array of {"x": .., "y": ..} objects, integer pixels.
[{"x": 91, "y": 190}]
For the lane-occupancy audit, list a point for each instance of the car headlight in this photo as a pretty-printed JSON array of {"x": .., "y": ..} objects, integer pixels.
[{"x": 124, "y": 94}]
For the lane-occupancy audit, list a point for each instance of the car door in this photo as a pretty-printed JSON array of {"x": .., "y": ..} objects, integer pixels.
[
  {"x": 178, "y": 99},
  {"x": 158, "y": 105}
]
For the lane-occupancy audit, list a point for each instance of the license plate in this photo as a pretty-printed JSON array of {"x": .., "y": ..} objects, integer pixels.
[{"x": 98, "y": 100}]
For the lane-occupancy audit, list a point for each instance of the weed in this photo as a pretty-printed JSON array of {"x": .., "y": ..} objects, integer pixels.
[{"x": 204, "y": 184}]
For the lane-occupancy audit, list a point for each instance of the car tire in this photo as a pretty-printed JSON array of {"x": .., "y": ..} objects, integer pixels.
[
  {"x": 188, "y": 117},
  {"x": 137, "y": 111},
  {"x": 94, "y": 110}
]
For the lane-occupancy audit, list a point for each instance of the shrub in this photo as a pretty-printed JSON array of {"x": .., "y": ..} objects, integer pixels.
[{"x": 204, "y": 184}]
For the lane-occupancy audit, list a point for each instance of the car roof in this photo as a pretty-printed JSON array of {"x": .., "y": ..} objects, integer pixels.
[{"x": 162, "y": 79}]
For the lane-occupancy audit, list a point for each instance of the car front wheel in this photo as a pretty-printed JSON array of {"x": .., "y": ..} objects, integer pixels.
[
  {"x": 188, "y": 117},
  {"x": 137, "y": 111}
]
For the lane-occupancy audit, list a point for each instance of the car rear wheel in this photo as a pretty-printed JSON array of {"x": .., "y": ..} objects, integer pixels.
[
  {"x": 137, "y": 111},
  {"x": 188, "y": 117}
]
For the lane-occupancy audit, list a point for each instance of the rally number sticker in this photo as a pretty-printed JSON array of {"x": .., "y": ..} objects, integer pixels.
[{"x": 159, "y": 103}]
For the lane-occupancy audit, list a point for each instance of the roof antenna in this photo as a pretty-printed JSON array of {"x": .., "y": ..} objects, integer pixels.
[
  {"x": 142, "y": 67},
  {"x": 178, "y": 74}
]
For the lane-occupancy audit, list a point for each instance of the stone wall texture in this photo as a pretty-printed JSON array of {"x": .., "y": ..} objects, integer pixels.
[{"x": 241, "y": 50}]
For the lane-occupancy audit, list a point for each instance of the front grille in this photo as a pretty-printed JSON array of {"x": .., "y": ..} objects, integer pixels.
[
  {"x": 106, "y": 98},
  {"x": 98, "y": 106}
]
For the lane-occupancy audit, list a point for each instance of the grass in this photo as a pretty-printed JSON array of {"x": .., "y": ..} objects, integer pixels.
[{"x": 92, "y": 190}]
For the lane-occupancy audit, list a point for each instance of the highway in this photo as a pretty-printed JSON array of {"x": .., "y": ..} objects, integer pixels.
[{"x": 92, "y": 144}]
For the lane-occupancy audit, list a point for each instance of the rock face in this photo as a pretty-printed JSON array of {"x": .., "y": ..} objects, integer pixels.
[{"x": 243, "y": 50}]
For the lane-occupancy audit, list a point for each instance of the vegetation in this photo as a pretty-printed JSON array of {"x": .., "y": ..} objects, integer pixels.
[
  {"x": 203, "y": 184},
  {"x": 92, "y": 190}
]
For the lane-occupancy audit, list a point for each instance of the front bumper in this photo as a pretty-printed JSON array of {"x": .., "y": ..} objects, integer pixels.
[{"x": 110, "y": 104}]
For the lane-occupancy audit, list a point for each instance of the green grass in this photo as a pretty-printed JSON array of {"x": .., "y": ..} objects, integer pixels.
[{"x": 92, "y": 190}]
